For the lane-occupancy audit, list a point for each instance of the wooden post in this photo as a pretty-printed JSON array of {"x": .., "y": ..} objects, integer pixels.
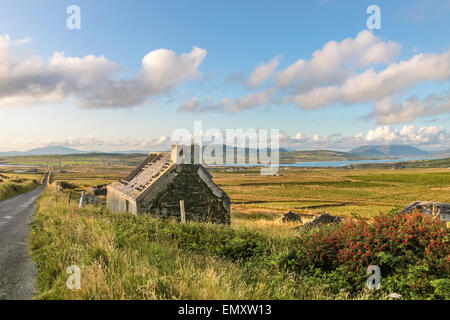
[
  {"x": 81, "y": 200},
  {"x": 183, "y": 213},
  {"x": 69, "y": 197}
]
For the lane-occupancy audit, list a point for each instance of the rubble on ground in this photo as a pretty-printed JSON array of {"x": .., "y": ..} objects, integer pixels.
[
  {"x": 291, "y": 217},
  {"x": 321, "y": 219}
]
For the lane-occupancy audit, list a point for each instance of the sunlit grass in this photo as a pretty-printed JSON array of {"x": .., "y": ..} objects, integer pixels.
[
  {"x": 338, "y": 191},
  {"x": 120, "y": 261},
  {"x": 12, "y": 184},
  {"x": 118, "y": 264}
]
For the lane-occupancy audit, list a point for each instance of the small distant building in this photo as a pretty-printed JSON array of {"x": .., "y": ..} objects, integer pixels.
[{"x": 158, "y": 184}]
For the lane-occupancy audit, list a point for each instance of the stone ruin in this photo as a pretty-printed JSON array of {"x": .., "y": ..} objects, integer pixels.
[
  {"x": 168, "y": 183},
  {"x": 99, "y": 190},
  {"x": 434, "y": 209}
]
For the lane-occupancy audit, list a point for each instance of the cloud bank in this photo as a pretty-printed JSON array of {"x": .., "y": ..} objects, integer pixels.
[
  {"x": 351, "y": 71},
  {"x": 427, "y": 137},
  {"x": 373, "y": 86},
  {"x": 433, "y": 137},
  {"x": 91, "y": 80},
  {"x": 355, "y": 70}
]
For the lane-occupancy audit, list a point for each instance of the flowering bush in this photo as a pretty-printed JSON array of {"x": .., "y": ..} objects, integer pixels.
[{"x": 412, "y": 251}]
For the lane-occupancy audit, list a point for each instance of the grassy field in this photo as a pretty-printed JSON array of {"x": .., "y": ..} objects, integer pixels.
[
  {"x": 92, "y": 159},
  {"x": 84, "y": 176},
  {"x": 365, "y": 191},
  {"x": 127, "y": 257},
  {"x": 121, "y": 256},
  {"x": 257, "y": 201}
]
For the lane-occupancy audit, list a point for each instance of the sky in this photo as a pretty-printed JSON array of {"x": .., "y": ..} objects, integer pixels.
[{"x": 136, "y": 71}]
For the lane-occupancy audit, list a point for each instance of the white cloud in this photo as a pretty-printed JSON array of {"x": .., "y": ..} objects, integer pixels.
[
  {"x": 347, "y": 72},
  {"x": 317, "y": 138},
  {"x": 90, "y": 140},
  {"x": 262, "y": 72},
  {"x": 300, "y": 136},
  {"x": 163, "y": 69},
  {"x": 190, "y": 105},
  {"x": 336, "y": 61},
  {"x": 249, "y": 101},
  {"x": 372, "y": 86},
  {"x": 91, "y": 80},
  {"x": 388, "y": 112},
  {"x": 384, "y": 134},
  {"x": 252, "y": 100},
  {"x": 317, "y": 97},
  {"x": 425, "y": 137},
  {"x": 408, "y": 135}
]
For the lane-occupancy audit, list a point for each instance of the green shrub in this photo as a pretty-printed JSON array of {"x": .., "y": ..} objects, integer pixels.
[
  {"x": 67, "y": 185},
  {"x": 217, "y": 240},
  {"x": 441, "y": 288}
]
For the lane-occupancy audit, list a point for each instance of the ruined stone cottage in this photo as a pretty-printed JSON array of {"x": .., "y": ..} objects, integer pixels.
[
  {"x": 441, "y": 210},
  {"x": 158, "y": 184}
]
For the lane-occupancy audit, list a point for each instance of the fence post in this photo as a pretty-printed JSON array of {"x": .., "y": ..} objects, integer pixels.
[
  {"x": 183, "y": 213},
  {"x": 69, "y": 197},
  {"x": 81, "y": 200}
]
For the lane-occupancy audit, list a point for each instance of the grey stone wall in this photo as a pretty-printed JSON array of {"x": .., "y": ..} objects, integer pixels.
[
  {"x": 199, "y": 201},
  {"x": 117, "y": 202}
]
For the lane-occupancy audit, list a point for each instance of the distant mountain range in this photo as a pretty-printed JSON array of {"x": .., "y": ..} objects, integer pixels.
[
  {"x": 363, "y": 151},
  {"x": 42, "y": 151},
  {"x": 389, "y": 151},
  {"x": 59, "y": 150}
]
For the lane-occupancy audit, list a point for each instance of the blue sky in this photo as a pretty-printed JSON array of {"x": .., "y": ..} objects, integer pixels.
[{"x": 236, "y": 37}]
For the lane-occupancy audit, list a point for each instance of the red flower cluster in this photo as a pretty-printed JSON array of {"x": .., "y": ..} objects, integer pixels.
[{"x": 408, "y": 239}]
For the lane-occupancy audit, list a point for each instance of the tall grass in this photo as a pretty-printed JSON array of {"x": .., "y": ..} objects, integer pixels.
[
  {"x": 128, "y": 257},
  {"x": 11, "y": 189}
]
